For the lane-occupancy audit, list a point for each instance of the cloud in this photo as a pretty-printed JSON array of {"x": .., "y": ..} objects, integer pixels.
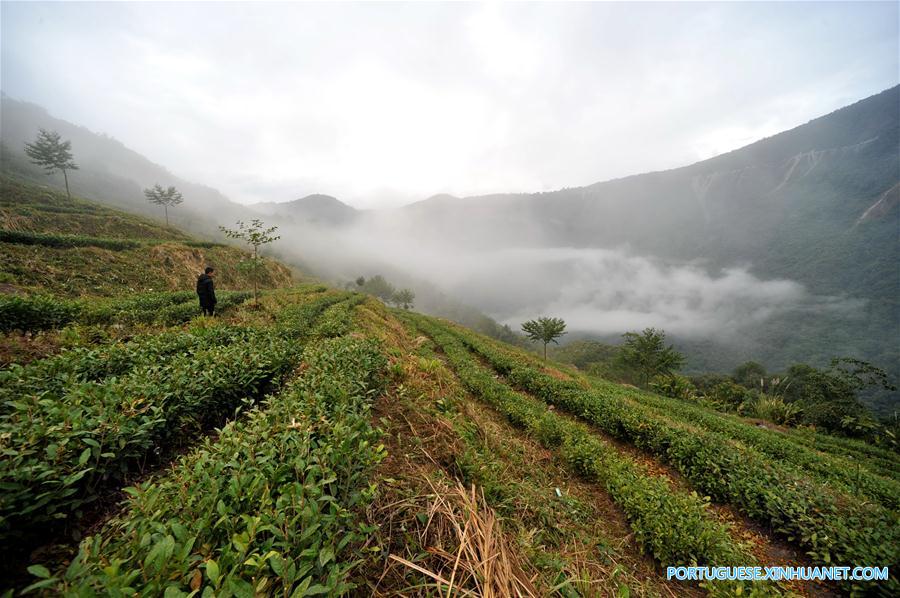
[
  {"x": 380, "y": 103},
  {"x": 610, "y": 291}
]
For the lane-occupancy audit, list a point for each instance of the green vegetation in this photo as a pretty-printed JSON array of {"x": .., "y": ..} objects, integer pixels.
[
  {"x": 168, "y": 197},
  {"x": 274, "y": 501},
  {"x": 647, "y": 354},
  {"x": 65, "y": 241},
  {"x": 829, "y": 525},
  {"x": 255, "y": 235},
  {"x": 544, "y": 330},
  {"x": 152, "y": 451},
  {"x": 75, "y": 437},
  {"x": 675, "y": 528},
  {"x": 42, "y": 312},
  {"x": 50, "y": 245},
  {"x": 52, "y": 154}
]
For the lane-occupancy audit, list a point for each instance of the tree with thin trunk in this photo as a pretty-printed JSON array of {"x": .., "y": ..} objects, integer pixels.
[
  {"x": 256, "y": 235},
  {"x": 53, "y": 154},
  {"x": 647, "y": 354},
  {"x": 164, "y": 197},
  {"x": 544, "y": 330}
]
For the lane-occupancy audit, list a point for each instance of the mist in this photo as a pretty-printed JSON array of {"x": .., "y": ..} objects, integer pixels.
[{"x": 598, "y": 291}]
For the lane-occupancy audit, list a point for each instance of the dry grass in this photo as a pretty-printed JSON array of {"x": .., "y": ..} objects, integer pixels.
[{"x": 468, "y": 553}]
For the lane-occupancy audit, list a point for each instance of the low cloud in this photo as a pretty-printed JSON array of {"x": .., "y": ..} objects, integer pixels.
[{"x": 609, "y": 291}]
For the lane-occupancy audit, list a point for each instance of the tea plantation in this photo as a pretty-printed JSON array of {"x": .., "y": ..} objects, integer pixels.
[{"x": 317, "y": 442}]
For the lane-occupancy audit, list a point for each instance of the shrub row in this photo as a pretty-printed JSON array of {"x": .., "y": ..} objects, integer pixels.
[
  {"x": 42, "y": 312},
  {"x": 832, "y": 527},
  {"x": 675, "y": 527},
  {"x": 59, "y": 451},
  {"x": 878, "y": 458},
  {"x": 65, "y": 241},
  {"x": 337, "y": 319},
  {"x": 271, "y": 507},
  {"x": 50, "y": 377},
  {"x": 37, "y": 312},
  {"x": 852, "y": 477},
  {"x": 63, "y": 446}
]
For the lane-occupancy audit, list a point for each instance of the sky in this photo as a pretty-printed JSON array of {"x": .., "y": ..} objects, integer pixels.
[{"x": 381, "y": 104}]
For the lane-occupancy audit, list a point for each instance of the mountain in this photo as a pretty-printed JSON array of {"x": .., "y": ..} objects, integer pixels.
[
  {"x": 316, "y": 209},
  {"x": 109, "y": 171},
  {"x": 817, "y": 205},
  {"x": 822, "y": 176}
]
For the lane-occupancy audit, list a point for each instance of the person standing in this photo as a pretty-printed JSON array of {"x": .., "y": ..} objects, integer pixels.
[{"x": 206, "y": 291}]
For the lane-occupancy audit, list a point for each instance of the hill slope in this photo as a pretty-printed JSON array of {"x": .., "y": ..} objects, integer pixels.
[
  {"x": 109, "y": 171},
  {"x": 78, "y": 247}
]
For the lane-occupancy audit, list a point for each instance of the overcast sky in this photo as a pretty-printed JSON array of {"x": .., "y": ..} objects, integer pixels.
[{"x": 381, "y": 104}]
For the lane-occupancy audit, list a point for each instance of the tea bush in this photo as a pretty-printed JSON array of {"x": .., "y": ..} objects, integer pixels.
[
  {"x": 65, "y": 241},
  {"x": 83, "y": 429},
  {"x": 37, "y": 312},
  {"x": 270, "y": 507},
  {"x": 832, "y": 527},
  {"x": 675, "y": 527}
]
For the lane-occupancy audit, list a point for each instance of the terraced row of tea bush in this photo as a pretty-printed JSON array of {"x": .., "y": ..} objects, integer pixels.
[
  {"x": 64, "y": 241},
  {"x": 850, "y": 456},
  {"x": 51, "y": 375},
  {"x": 675, "y": 527},
  {"x": 272, "y": 506},
  {"x": 854, "y": 476},
  {"x": 64, "y": 442},
  {"x": 876, "y": 458},
  {"x": 831, "y": 526},
  {"x": 43, "y": 312}
]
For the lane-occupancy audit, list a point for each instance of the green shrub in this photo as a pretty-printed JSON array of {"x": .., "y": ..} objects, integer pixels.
[
  {"x": 82, "y": 420},
  {"x": 774, "y": 409},
  {"x": 37, "y": 312},
  {"x": 829, "y": 524},
  {"x": 274, "y": 505},
  {"x": 675, "y": 386},
  {"x": 65, "y": 241},
  {"x": 673, "y": 526}
]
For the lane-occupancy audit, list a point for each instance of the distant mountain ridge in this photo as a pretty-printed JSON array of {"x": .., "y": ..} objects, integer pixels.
[{"x": 313, "y": 209}]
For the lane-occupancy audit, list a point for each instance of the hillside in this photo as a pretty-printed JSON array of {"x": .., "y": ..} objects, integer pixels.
[
  {"x": 109, "y": 171},
  {"x": 78, "y": 247},
  {"x": 320, "y": 443}
]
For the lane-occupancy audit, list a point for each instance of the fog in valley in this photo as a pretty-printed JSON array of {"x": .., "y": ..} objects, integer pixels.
[{"x": 605, "y": 291}]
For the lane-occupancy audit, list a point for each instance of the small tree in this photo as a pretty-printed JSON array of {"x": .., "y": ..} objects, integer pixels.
[
  {"x": 52, "y": 153},
  {"x": 378, "y": 286},
  {"x": 256, "y": 235},
  {"x": 164, "y": 197},
  {"x": 404, "y": 298},
  {"x": 647, "y": 354},
  {"x": 544, "y": 330}
]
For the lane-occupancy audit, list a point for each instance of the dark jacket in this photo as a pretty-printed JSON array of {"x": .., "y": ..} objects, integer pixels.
[{"x": 206, "y": 290}]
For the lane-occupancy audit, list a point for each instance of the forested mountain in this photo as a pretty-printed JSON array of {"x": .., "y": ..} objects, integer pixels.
[
  {"x": 796, "y": 204},
  {"x": 817, "y": 204}
]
